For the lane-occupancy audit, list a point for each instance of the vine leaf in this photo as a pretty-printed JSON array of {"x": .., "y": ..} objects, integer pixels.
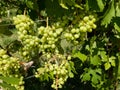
[
  {"x": 10, "y": 80},
  {"x": 100, "y": 4},
  {"x": 81, "y": 56},
  {"x": 86, "y": 77},
  {"x": 107, "y": 65},
  {"x": 118, "y": 10},
  {"x": 110, "y": 13},
  {"x": 116, "y": 22},
  {"x": 93, "y": 5},
  {"x": 7, "y": 86},
  {"x": 7, "y": 40},
  {"x": 95, "y": 78},
  {"x": 95, "y": 60},
  {"x": 112, "y": 60},
  {"x": 63, "y": 4}
]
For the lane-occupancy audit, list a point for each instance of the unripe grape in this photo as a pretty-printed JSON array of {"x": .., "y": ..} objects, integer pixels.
[
  {"x": 69, "y": 57},
  {"x": 93, "y": 20},
  {"x": 94, "y": 26},
  {"x": 25, "y": 53},
  {"x": 88, "y": 27},
  {"x": 73, "y": 30},
  {"x": 86, "y": 19},
  {"x": 83, "y": 29},
  {"x": 89, "y": 30},
  {"x": 5, "y": 56},
  {"x": 76, "y": 36},
  {"x": 48, "y": 55},
  {"x": 90, "y": 23}
]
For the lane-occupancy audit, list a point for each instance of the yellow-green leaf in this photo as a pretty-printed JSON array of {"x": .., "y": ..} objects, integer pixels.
[{"x": 107, "y": 65}]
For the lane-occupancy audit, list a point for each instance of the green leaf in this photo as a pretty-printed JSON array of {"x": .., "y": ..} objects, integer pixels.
[
  {"x": 116, "y": 27},
  {"x": 99, "y": 71},
  {"x": 93, "y": 5},
  {"x": 63, "y": 4},
  {"x": 103, "y": 56},
  {"x": 7, "y": 86},
  {"x": 46, "y": 76},
  {"x": 116, "y": 22},
  {"x": 51, "y": 75},
  {"x": 10, "y": 80},
  {"x": 7, "y": 40},
  {"x": 53, "y": 6},
  {"x": 29, "y": 4},
  {"x": 81, "y": 56},
  {"x": 112, "y": 60},
  {"x": 86, "y": 77},
  {"x": 95, "y": 60},
  {"x": 95, "y": 79},
  {"x": 110, "y": 13},
  {"x": 100, "y": 4},
  {"x": 107, "y": 65},
  {"x": 118, "y": 9},
  {"x": 71, "y": 75},
  {"x": 71, "y": 67}
]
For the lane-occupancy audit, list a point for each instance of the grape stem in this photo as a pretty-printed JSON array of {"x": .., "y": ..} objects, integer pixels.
[
  {"x": 56, "y": 81},
  {"x": 47, "y": 21},
  {"x": 25, "y": 11}
]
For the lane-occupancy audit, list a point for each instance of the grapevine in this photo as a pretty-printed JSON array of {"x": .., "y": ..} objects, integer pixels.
[{"x": 46, "y": 40}]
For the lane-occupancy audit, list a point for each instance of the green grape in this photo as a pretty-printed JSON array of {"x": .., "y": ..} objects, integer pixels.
[
  {"x": 83, "y": 29},
  {"x": 86, "y": 19}
]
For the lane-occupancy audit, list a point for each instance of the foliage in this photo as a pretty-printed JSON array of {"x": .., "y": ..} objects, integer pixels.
[{"x": 60, "y": 44}]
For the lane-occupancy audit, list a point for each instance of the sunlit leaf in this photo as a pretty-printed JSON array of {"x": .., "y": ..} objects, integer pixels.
[
  {"x": 103, "y": 56},
  {"x": 118, "y": 9},
  {"x": 10, "y": 80},
  {"x": 112, "y": 60},
  {"x": 7, "y": 86},
  {"x": 95, "y": 60},
  {"x": 71, "y": 75},
  {"x": 100, "y": 4},
  {"x": 86, "y": 77},
  {"x": 81, "y": 56},
  {"x": 107, "y": 65},
  {"x": 95, "y": 79},
  {"x": 116, "y": 22}
]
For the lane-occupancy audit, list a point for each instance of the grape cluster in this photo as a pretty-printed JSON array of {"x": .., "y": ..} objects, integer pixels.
[
  {"x": 72, "y": 35},
  {"x": 87, "y": 24},
  {"x": 58, "y": 66},
  {"x": 26, "y": 35},
  {"x": 9, "y": 67},
  {"x": 77, "y": 32},
  {"x": 48, "y": 38},
  {"x": 24, "y": 25},
  {"x": 31, "y": 43}
]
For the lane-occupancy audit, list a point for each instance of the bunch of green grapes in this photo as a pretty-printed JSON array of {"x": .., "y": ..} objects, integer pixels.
[
  {"x": 87, "y": 24},
  {"x": 26, "y": 34},
  {"x": 77, "y": 32},
  {"x": 48, "y": 38},
  {"x": 24, "y": 25},
  {"x": 31, "y": 44},
  {"x": 73, "y": 35},
  {"x": 10, "y": 67},
  {"x": 58, "y": 66}
]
